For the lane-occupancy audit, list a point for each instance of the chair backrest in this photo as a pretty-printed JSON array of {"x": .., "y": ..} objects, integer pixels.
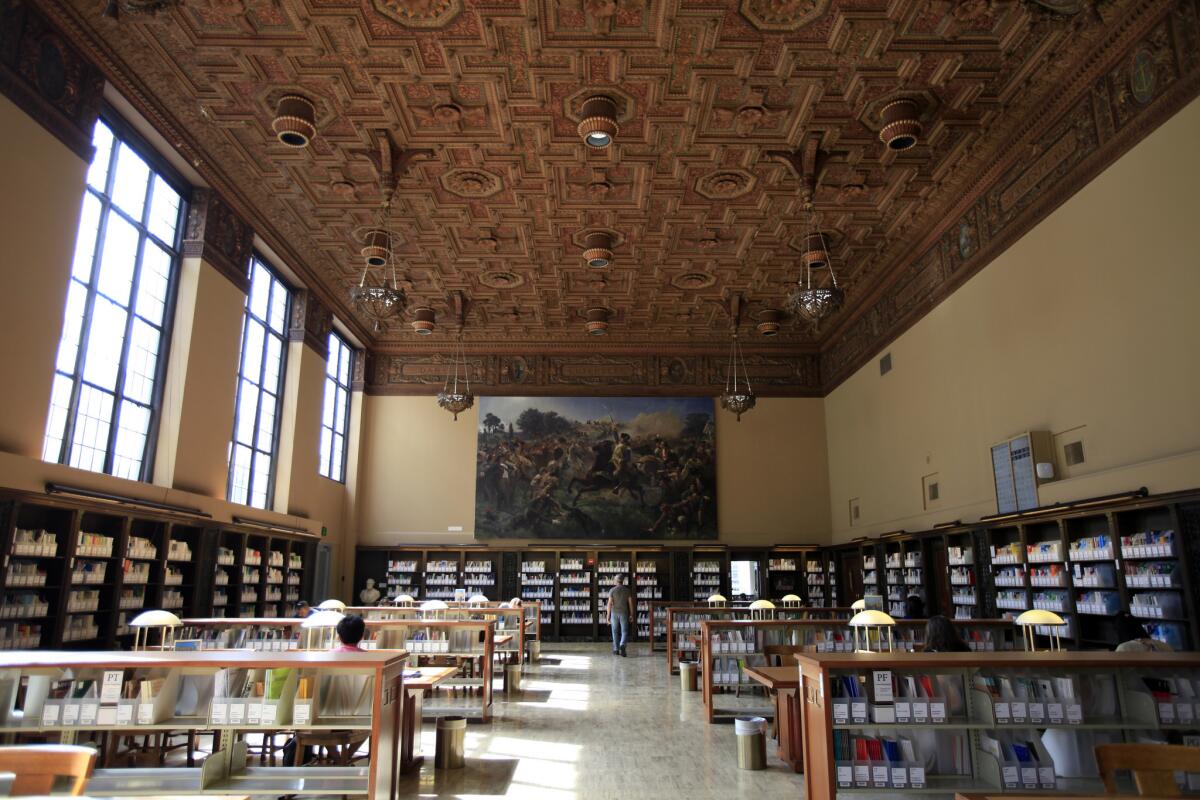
[
  {"x": 38, "y": 766},
  {"x": 777, "y": 654},
  {"x": 1153, "y": 766}
]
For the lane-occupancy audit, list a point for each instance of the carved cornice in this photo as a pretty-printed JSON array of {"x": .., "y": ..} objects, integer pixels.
[
  {"x": 311, "y": 322},
  {"x": 48, "y": 77},
  {"x": 216, "y": 234},
  {"x": 1088, "y": 125},
  {"x": 593, "y": 373}
]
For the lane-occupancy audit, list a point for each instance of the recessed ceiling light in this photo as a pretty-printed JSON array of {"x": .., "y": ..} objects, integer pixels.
[
  {"x": 295, "y": 121},
  {"x": 598, "y": 125},
  {"x": 424, "y": 320},
  {"x": 377, "y": 247},
  {"x": 597, "y": 320},
  {"x": 597, "y": 249},
  {"x": 901, "y": 126}
]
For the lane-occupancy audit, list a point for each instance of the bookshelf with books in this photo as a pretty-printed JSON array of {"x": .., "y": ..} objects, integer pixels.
[
  {"x": 443, "y": 575},
  {"x": 404, "y": 575},
  {"x": 577, "y": 616},
  {"x": 709, "y": 575},
  {"x": 893, "y": 577},
  {"x": 86, "y": 697},
  {"x": 651, "y": 583},
  {"x": 963, "y": 574},
  {"x": 538, "y": 571},
  {"x": 983, "y": 722},
  {"x": 1010, "y": 572},
  {"x": 1152, "y": 566},
  {"x": 100, "y": 543},
  {"x": 786, "y": 571},
  {"x": 479, "y": 574},
  {"x": 40, "y": 573}
]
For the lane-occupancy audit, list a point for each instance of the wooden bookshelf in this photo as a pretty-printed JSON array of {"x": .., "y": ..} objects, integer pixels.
[
  {"x": 970, "y": 712},
  {"x": 377, "y": 714}
]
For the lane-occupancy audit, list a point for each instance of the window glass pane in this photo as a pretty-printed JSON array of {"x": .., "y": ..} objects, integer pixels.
[
  {"x": 328, "y": 403},
  {"x": 339, "y": 415},
  {"x": 274, "y": 362},
  {"x": 260, "y": 290},
  {"x": 118, "y": 260},
  {"x": 252, "y": 350},
  {"x": 105, "y": 339},
  {"x": 344, "y": 366},
  {"x": 141, "y": 363},
  {"x": 247, "y": 407},
  {"x": 85, "y": 242},
  {"x": 132, "y": 427},
  {"x": 130, "y": 182},
  {"x": 92, "y": 422},
  {"x": 68, "y": 345},
  {"x": 279, "y": 300},
  {"x": 108, "y": 360},
  {"x": 266, "y": 424},
  {"x": 259, "y": 479},
  {"x": 164, "y": 210},
  {"x": 331, "y": 362},
  {"x": 152, "y": 283},
  {"x": 60, "y": 406},
  {"x": 102, "y": 140},
  {"x": 339, "y": 456},
  {"x": 326, "y": 442},
  {"x": 240, "y": 478}
]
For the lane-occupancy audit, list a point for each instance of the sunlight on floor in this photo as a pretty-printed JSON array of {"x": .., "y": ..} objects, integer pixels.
[
  {"x": 535, "y": 748},
  {"x": 567, "y": 661}
]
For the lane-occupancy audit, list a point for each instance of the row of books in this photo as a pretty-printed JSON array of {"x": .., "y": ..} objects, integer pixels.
[{"x": 34, "y": 543}]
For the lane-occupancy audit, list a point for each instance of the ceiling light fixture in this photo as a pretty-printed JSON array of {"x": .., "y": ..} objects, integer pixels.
[
  {"x": 380, "y": 303},
  {"x": 598, "y": 125},
  {"x": 901, "y": 126},
  {"x": 451, "y": 398},
  {"x": 295, "y": 121},
  {"x": 814, "y": 301},
  {"x": 597, "y": 250},
  {"x": 424, "y": 320},
  {"x": 597, "y": 320},
  {"x": 768, "y": 322},
  {"x": 377, "y": 247},
  {"x": 738, "y": 398}
]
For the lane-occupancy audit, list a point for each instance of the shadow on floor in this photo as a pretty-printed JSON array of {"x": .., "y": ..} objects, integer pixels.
[{"x": 480, "y": 776}]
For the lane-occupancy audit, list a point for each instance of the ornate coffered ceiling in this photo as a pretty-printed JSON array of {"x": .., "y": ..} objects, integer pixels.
[{"x": 732, "y": 114}]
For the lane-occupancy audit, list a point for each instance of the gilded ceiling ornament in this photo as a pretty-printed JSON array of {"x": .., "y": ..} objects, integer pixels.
[
  {"x": 725, "y": 184},
  {"x": 471, "y": 182},
  {"x": 420, "y": 13},
  {"x": 501, "y": 279},
  {"x": 783, "y": 15}
]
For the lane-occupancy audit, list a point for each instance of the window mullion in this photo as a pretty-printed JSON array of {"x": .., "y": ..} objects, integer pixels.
[{"x": 237, "y": 408}]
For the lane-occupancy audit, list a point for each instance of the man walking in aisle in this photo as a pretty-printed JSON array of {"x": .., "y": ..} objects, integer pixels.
[{"x": 620, "y": 614}]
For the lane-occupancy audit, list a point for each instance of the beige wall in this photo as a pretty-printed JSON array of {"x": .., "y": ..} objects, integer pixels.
[
  {"x": 201, "y": 384},
  {"x": 1088, "y": 324},
  {"x": 39, "y": 217},
  {"x": 38, "y": 224},
  {"x": 418, "y": 476}
]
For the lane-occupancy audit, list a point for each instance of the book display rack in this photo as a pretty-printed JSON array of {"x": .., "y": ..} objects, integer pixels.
[
  {"x": 650, "y": 584},
  {"x": 74, "y": 697},
  {"x": 983, "y": 722}
]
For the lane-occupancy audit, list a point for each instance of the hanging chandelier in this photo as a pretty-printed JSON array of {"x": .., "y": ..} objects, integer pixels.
[
  {"x": 450, "y": 398},
  {"x": 738, "y": 397},
  {"x": 383, "y": 301},
  {"x": 815, "y": 302}
]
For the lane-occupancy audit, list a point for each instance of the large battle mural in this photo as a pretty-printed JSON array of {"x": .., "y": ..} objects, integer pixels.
[{"x": 610, "y": 467}]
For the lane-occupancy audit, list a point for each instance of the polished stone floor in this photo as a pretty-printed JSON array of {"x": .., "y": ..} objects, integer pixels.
[{"x": 591, "y": 726}]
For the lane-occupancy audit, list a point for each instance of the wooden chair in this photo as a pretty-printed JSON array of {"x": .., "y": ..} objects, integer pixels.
[
  {"x": 40, "y": 767},
  {"x": 779, "y": 655},
  {"x": 1153, "y": 766}
]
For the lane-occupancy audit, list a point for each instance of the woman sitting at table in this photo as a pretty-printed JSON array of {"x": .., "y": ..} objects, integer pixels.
[{"x": 942, "y": 637}]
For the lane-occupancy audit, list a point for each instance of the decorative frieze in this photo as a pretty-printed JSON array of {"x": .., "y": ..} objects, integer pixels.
[
  {"x": 216, "y": 234},
  {"x": 311, "y": 322}
]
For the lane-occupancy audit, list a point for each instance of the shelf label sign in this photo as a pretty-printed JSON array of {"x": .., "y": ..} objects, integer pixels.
[
  {"x": 110, "y": 685},
  {"x": 882, "y": 681}
]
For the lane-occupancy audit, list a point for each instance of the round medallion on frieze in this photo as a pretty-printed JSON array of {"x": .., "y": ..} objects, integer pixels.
[
  {"x": 51, "y": 69},
  {"x": 693, "y": 280},
  {"x": 501, "y": 279},
  {"x": 1142, "y": 77},
  {"x": 420, "y": 13},
  {"x": 725, "y": 184},
  {"x": 471, "y": 182},
  {"x": 783, "y": 15},
  {"x": 966, "y": 240}
]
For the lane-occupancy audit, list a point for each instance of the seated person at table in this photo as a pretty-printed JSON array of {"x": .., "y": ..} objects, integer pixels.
[
  {"x": 350, "y": 631},
  {"x": 942, "y": 637},
  {"x": 1133, "y": 639},
  {"x": 303, "y": 609}
]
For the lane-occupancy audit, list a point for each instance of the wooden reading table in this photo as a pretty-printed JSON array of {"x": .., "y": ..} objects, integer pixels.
[{"x": 410, "y": 717}]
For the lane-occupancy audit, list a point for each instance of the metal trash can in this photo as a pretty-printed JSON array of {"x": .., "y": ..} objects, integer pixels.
[
  {"x": 687, "y": 676},
  {"x": 751, "y": 742},
  {"x": 450, "y": 743},
  {"x": 535, "y": 650},
  {"x": 512, "y": 679}
]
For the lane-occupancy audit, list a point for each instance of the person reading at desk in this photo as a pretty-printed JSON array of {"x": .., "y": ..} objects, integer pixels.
[{"x": 350, "y": 631}]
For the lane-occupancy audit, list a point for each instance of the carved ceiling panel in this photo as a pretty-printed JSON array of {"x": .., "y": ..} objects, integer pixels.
[{"x": 732, "y": 114}]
